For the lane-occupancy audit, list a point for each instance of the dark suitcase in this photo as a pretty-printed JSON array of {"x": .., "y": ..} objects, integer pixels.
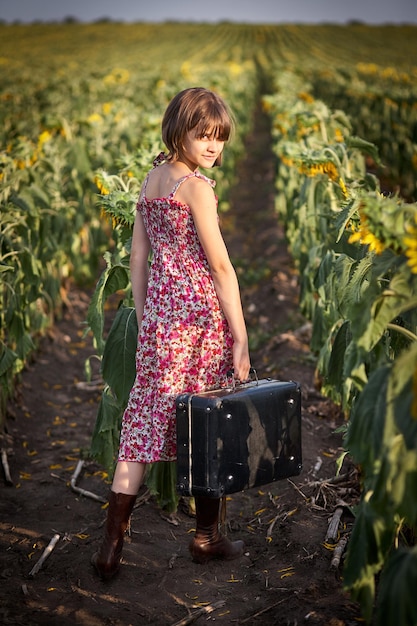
[{"x": 237, "y": 438}]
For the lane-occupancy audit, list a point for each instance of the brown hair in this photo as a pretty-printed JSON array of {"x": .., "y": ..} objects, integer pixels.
[{"x": 196, "y": 109}]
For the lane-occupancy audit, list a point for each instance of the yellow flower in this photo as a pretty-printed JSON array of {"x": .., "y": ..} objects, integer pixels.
[
  {"x": 367, "y": 68},
  {"x": 414, "y": 400},
  {"x": 280, "y": 128},
  {"x": 107, "y": 107},
  {"x": 343, "y": 187},
  {"x": 410, "y": 243},
  {"x": 331, "y": 170},
  {"x": 306, "y": 97},
  {"x": 186, "y": 69},
  {"x": 235, "y": 69},
  {"x": 391, "y": 103},
  {"x": 316, "y": 169},
  {"x": 373, "y": 243},
  {"x": 287, "y": 161},
  {"x": 102, "y": 189},
  {"x": 365, "y": 237},
  {"x": 43, "y": 138},
  {"x": 106, "y": 216},
  {"x": 117, "y": 77},
  {"x": 95, "y": 118},
  {"x": 389, "y": 72}
]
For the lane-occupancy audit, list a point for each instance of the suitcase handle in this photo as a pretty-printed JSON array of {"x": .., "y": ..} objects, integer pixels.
[{"x": 238, "y": 383}]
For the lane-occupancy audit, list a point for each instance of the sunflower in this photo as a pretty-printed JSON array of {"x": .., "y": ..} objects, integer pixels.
[
  {"x": 414, "y": 400},
  {"x": 364, "y": 236},
  {"x": 410, "y": 244},
  {"x": 101, "y": 186},
  {"x": 315, "y": 169}
]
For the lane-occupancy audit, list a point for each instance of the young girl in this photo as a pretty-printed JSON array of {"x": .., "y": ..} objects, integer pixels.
[{"x": 191, "y": 326}]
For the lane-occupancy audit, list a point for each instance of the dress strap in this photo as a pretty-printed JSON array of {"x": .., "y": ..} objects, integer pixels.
[{"x": 179, "y": 182}]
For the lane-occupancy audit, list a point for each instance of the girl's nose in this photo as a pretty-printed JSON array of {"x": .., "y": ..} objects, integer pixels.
[{"x": 215, "y": 145}]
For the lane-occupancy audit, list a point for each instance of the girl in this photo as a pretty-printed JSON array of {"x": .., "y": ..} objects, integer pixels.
[{"x": 189, "y": 313}]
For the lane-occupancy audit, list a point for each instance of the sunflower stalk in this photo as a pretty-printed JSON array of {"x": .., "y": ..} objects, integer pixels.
[{"x": 404, "y": 331}]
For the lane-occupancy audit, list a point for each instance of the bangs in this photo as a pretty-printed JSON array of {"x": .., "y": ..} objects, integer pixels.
[
  {"x": 214, "y": 128},
  {"x": 211, "y": 117}
]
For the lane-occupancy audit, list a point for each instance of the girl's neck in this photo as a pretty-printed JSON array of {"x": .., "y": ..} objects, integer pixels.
[
  {"x": 184, "y": 166},
  {"x": 183, "y": 169}
]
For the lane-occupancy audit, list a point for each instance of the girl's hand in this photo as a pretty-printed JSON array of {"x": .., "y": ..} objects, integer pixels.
[{"x": 241, "y": 361}]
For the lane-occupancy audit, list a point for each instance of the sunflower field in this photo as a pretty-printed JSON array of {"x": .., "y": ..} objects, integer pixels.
[{"x": 81, "y": 107}]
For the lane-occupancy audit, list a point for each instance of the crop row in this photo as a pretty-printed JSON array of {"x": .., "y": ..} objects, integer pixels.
[{"x": 356, "y": 252}]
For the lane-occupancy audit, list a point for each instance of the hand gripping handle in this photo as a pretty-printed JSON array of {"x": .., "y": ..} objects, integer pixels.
[{"x": 238, "y": 383}]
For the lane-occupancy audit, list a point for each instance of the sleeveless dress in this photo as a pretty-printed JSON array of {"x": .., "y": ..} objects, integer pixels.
[{"x": 184, "y": 342}]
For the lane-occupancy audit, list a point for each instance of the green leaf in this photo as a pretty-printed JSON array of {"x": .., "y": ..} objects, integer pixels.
[
  {"x": 105, "y": 438},
  {"x": 343, "y": 218},
  {"x": 364, "y": 146},
  {"x": 367, "y": 424},
  {"x": 401, "y": 484},
  {"x": 401, "y": 394},
  {"x": 384, "y": 309},
  {"x": 112, "y": 279},
  {"x": 354, "y": 366},
  {"x": 343, "y": 272},
  {"x": 7, "y": 358},
  {"x": 161, "y": 481},
  {"x": 368, "y": 545},
  {"x": 397, "y": 593},
  {"x": 337, "y": 356},
  {"x": 118, "y": 365},
  {"x": 22, "y": 203},
  {"x": 78, "y": 156},
  {"x": 358, "y": 280},
  {"x": 42, "y": 198},
  {"x": 25, "y": 346}
]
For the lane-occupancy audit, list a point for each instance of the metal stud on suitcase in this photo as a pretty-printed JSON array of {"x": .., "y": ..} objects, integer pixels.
[{"x": 238, "y": 437}]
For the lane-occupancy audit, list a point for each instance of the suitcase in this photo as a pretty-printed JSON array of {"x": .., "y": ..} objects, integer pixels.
[{"x": 239, "y": 437}]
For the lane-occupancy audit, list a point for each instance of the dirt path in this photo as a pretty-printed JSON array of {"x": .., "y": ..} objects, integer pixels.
[{"x": 284, "y": 578}]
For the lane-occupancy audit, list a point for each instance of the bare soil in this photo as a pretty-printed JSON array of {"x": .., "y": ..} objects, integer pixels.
[{"x": 286, "y": 576}]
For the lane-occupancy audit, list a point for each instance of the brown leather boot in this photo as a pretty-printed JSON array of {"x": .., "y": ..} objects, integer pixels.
[
  {"x": 107, "y": 559},
  {"x": 208, "y": 542}
]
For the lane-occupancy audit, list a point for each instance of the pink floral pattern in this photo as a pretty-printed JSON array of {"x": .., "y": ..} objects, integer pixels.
[{"x": 184, "y": 343}]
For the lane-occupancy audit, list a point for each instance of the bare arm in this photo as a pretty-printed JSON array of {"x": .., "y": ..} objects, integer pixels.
[
  {"x": 139, "y": 266},
  {"x": 200, "y": 197}
]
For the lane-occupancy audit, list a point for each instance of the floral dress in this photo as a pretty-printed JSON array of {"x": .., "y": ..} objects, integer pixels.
[{"x": 184, "y": 342}]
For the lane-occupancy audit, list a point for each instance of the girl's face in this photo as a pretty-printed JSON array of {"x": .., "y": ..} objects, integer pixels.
[{"x": 200, "y": 151}]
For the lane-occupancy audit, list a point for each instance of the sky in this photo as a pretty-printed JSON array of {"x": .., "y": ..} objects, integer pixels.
[{"x": 251, "y": 11}]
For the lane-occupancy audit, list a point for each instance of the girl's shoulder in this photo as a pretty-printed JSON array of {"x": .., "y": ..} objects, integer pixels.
[
  {"x": 198, "y": 189},
  {"x": 208, "y": 180},
  {"x": 201, "y": 176},
  {"x": 193, "y": 175},
  {"x": 161, "y": 183}
]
